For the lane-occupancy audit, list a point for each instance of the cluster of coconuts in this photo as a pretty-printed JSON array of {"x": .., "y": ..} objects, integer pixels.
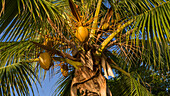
[
  {"x": 81, "y": 34},
  {"x": 45, "y": 63}
]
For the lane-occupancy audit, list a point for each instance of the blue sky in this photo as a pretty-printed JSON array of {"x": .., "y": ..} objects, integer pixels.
[{"x": 47, "y": 88}]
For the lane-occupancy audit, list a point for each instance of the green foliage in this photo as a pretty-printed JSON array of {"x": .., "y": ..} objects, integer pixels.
[
  {"x": 159, "y": 84},
  {"x": 139, "y": 48},
  {"x": 125, "y": 86},
  {"x": 14, "y": 52},
  {"x": 63, "y": 85},
  {"x": 17, "y": 78}
]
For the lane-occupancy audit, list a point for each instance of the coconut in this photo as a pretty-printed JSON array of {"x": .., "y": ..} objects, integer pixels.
[
  {"x": 82, "y": 33},
  {"x": 45, "y": 60}
]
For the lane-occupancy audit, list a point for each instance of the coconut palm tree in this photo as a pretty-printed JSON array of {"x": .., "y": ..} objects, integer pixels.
[{"x": 83, "y": 41}]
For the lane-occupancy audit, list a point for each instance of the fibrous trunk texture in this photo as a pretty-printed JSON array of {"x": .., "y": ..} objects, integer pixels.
[{"x": 87, "y": 82}]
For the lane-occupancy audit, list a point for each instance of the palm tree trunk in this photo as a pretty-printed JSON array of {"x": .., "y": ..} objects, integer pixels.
[{"x": 87, "y": 82}]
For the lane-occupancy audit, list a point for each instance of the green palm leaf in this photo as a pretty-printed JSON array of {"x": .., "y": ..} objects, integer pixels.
[
  {"x": 127, "y": 86},
  {"x": 14, "y": 52},
  {"x": 152, "y": 25},
  {"x": 27, "y": 18},
  {"x": 17, "y": 78},
  {"x": 63, "y": 85}
]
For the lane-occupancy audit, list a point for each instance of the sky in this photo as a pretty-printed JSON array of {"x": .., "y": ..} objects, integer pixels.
[{"x": 47, "y": 88}]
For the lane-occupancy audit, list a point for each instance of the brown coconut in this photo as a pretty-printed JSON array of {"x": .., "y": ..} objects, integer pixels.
[
  {"x": 45, "y": 60},
  {"x": 82, "y": 33}
]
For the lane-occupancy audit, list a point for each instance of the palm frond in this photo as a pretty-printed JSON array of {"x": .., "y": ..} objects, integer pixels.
[
  {"x": 25, "y": 19},
  {"x": 131, "y": 58},
  {"x": 63, "y": 85},
  {"x": 153, "y": 27},
  {"x": 125, "y": 86},
  {"x": 152, "y": 19},
  {"x": 14, "y": 52},
  {"x": 17, "y": 78}
]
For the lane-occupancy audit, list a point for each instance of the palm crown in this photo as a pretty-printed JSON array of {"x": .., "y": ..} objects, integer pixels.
[{"x": 81, "y": 38}]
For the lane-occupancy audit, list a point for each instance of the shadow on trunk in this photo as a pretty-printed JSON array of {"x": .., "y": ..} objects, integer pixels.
[{"x": 87, "y": 82}]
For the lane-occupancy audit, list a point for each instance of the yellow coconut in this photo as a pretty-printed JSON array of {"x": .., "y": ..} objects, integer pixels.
[
  {"x": 45, "y": 60},
  {"x": 82, "y": 33}
]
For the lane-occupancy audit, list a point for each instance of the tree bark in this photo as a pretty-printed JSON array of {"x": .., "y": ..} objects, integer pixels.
[{"x": 87, "y": 82}]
